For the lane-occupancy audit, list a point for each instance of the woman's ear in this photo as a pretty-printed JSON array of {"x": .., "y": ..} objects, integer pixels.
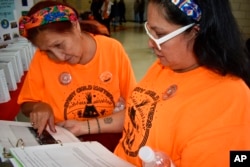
[
  {"x": 195, "y": 30},
  {"x": 197, "y": 27},
  {"x": 76, "y": 25}
]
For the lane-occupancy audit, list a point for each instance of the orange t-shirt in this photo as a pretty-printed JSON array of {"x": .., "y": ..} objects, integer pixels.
[
  {"x": 195, "y": 117},
  {"x": 94, "y": 88}
]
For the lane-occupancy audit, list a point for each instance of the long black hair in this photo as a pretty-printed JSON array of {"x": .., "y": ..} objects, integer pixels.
[{"x": 219, "y": 44}]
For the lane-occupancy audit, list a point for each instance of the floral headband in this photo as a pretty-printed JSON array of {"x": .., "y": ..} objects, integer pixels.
[
  {"x": 189, "y": 7},
  {"x": 46, "y": 16}
]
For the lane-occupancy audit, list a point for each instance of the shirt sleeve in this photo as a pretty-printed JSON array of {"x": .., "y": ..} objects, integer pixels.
[{"x": 33, "y": 81}]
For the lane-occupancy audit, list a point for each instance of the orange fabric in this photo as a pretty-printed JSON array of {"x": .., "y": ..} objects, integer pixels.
[
  {"x": 205, "y": 118},
  {"x": 94, "y": 89}
]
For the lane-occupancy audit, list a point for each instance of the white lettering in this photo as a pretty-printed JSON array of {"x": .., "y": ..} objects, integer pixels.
[
  {"x": 240, "y": 158},
  {"x": 243, "y": 157},
  {"x": 237, "y": 158}
]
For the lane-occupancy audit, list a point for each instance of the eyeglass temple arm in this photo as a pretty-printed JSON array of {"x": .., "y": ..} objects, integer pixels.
[
  {"x": 148, "y": 33},
  {"x": 174, "y": 33}
]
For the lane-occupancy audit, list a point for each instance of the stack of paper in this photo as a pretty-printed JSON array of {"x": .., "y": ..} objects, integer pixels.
[
  {"x": 23, "y": 54},
  {"x": 26, "y": 45},
  {"x": 24, "y": 40},
  {"x": 9, "y": 74},
  {"x": 77, "y": 154},
  {"x": 4, "y": 92},
  {"x": 15, "y": 60},
  {"x": 70, "y": 151}
]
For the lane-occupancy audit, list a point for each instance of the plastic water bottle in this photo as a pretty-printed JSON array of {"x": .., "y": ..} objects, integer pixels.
[{"x": 151, "y": 158}]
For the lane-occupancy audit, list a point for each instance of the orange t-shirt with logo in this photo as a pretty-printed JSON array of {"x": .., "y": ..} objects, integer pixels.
[
  {"x": 195, "y": 117},
  {"x": 92, "y": 90}
]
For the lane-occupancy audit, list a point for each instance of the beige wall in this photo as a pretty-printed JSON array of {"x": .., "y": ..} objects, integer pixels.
[
  {"x": 241, "y": 11},
  {"x": 80, "y": 5}
]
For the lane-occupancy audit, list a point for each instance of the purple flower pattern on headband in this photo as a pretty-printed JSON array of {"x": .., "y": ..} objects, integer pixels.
[{"x": 189, "y": 7}]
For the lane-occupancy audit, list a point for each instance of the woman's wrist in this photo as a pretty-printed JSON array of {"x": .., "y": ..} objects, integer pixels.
[
  {"x": 92, "y": 126},
  {"x": 88, "y": 126},
  {"x": 98, "y": 125}
]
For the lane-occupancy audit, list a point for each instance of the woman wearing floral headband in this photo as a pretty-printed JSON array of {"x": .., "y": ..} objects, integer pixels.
[
  {"x": 76, "y": 79},
  {"x": 194, "y": 102}
]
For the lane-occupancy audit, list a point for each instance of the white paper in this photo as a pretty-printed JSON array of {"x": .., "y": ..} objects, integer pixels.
[
  {"x": 77, "y": 154},
  {"x": 27, "y": 45},
  {"x": 32, "y": 47},
  {"x": 72, "y": 152},
  {"x": 13, "y": 61},
  {"x": 22, "y": 39},
  {"x": 17, "y": 55},
  {"x": 9, "y": 74},
  {"x": 11, "y": 131},
  {"x": 4, "y": 91},
  {"x": 23, "y": 54}
]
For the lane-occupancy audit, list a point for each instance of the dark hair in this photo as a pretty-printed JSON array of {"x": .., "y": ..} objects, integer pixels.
[
  {"x": 61, "y": 26},
  {"x": 85, "y": 15},
  {"x": 219, "y": 45},
  {"x": 94, "y": 27},
  {"x": 248, "y": 45}
]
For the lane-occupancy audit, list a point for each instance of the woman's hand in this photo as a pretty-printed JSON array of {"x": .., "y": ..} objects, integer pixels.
[
  {"x": 41, "y": 116},
  {"x": 76, "y": 127}
]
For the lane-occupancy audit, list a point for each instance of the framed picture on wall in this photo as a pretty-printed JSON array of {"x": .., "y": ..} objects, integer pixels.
[
  {"x": 6, "y": 37},
  {"x": 24, "y": 2},
  {"x": 13, "y": 25},
  {"x": 5, "y": 24},
  {"x": 24, "y": 13},
  {"x": 15, "y": 35}
]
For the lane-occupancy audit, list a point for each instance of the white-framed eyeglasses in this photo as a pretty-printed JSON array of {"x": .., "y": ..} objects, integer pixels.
[{"x": 167, "y": 37}]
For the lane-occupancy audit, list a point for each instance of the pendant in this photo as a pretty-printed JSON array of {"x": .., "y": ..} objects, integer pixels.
[
  {"x": 65, "y": 78},
  {"x": 170, "y": 92}
]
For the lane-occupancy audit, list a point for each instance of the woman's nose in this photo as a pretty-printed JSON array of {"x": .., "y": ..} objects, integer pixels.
[
  {"x": 151, "y": 43},
  {"x": 59, "y": 55}
]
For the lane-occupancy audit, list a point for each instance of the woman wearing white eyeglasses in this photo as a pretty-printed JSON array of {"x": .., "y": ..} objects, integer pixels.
[{"x": 194, "y": 102}]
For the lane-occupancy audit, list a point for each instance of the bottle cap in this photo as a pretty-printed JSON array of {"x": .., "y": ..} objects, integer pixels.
[{"x": 146, "y": 154}]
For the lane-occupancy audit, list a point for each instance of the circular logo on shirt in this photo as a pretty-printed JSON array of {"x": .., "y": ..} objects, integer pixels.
[
  {"x": 141, "y": 110},
  {"x": 88, "y": 102}
]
